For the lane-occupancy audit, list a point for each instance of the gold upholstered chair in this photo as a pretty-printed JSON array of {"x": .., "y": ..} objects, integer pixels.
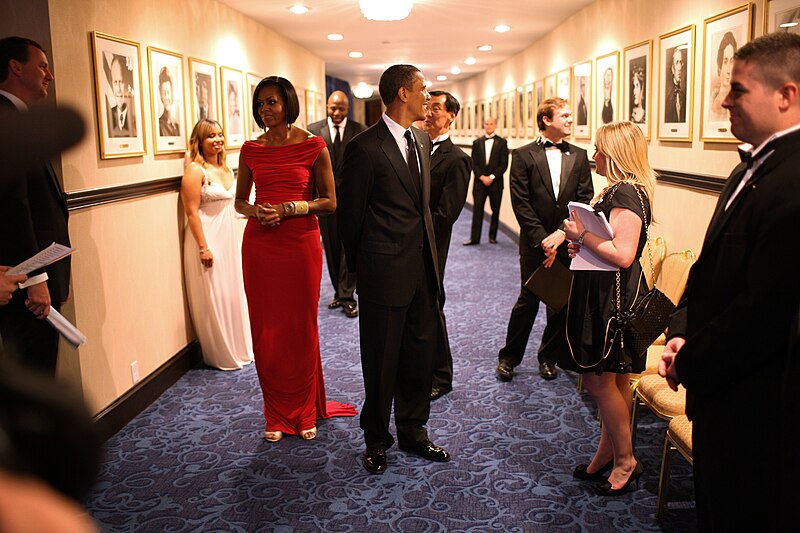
[
  {"x": 658, "y": 251},
  {"x": 652, "y": 392},
  {"x": 679, "y": 438}
]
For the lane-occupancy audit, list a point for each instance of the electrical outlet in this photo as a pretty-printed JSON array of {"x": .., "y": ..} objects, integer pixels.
[{"x": 135, "y": 371}]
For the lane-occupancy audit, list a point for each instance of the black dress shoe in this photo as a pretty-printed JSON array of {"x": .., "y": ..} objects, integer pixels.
[
  {"x": 548, "y": 370},
  {"x": 334, "y": 303},
  {"x": 427, "y": 450},
  {"x": 581, "y": 473},
  {"x": 504, "y": 371},
  {"x": 471, "y": 242},
  {"x": 437, "y": 391},
  {"x": 492, "y": 240},
  {"x": 350, "y": 309},
  {"x": 375, "y": 460},
  {"x": 604, "y": 487}
]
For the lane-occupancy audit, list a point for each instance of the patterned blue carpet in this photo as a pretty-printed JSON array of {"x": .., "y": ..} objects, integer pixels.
[{"x": 196, "y": 460}]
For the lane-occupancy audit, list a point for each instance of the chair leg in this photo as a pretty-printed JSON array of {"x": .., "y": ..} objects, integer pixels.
[
  {"x": 663, "y": 479},
  {"x": 580, "y": 383},
  {"x": 634, "y": 416}
]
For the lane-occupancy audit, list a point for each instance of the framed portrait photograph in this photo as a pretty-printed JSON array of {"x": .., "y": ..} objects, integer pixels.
[
  {"x": 322, "y": 111},
  {"x": 549, "y": 86},
  {"x": 722, "y": 36},
  {"x": 502, "y": 115},
  {"x": 675, "y": 95},
  {"x": 309, "y": 107},
  {"x": 252, "y": 82},
  {"x": 302, "y": 117},
  {"x": 483, "y": 106},
  {"x": 637, "y": 62},
  {"x": 519, "y": 111},
  {"x": 230, "y": 85},
  {"x": 563, "y": 88},
  {"x": 203, "y": 76},
  {"x": 530, "y": 112},
  {"x": 118, "y": 85},
  {"x": 166, "y": 101},
  {"x": 782, "y": 15},
  {"x": 607, "y": 89},
  {"x": 581, "y": 100}
]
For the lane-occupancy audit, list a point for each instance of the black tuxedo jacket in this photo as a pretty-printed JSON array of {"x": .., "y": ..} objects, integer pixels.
[
  {"x": 670, "y": 111},
  {"x": 128, "y": 128},
  {"x": 538, "y": 211},
  {"x": 497, "y": 164},
  {"x": 352, "y": 129},
  {"x": 744, "y": 289},
  {"x": 384, "y": 219},
  {"x": 450, "y": 168},
  {"x": 33, "y": 215}
]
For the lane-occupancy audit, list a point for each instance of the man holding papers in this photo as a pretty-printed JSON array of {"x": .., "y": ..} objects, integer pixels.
[
  {"x": 545, "y": 176},
  {"x": 33, "y": 213}
]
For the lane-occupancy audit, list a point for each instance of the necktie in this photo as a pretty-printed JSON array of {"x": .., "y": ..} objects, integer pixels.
[
  {"x": 337, "y": 145},
  {"x": 434, "y": 145},
  {"x": 413, "y": 162},
  {"x": 561, "y": 146}
]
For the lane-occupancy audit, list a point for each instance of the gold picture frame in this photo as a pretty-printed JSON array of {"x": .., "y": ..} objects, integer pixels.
[
  {"x": 676, "y": 62},
  {"x": 582, "y": 100},
  {"x": 637, "y": 66},
  {"x": 232, "y": 98}
]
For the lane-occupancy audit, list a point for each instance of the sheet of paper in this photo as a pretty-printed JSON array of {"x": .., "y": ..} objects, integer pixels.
[
  {"x": 65, "y": 328},
  {"x": 49, "y": 255},
  {"x": 596, "y": 223}
]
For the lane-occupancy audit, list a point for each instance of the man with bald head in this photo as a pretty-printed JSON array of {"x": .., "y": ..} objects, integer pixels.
[
  {"x": 33, "y": 214},
  {"x": 337, "y": 131}
]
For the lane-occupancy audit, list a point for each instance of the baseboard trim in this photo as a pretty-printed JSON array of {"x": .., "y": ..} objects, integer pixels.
[{"x": 117, "y": 415}]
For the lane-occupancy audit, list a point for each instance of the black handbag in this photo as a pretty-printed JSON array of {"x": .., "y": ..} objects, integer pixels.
[{"x": 648, "y": 316}]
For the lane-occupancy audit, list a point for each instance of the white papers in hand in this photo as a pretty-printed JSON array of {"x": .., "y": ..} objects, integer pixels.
[
  {"x": 49, "y": 255},
  {"x": 65, "y": 328},
  {"x": 595, "y": 223}
]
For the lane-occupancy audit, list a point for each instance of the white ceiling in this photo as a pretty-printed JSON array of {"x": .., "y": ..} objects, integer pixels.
[{"x": 437, "y": 35}]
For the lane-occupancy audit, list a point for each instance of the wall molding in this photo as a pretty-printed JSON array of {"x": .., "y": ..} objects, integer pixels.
[
  {"x": 117, "y": 415},
  {"x": 118, "y": 193}
]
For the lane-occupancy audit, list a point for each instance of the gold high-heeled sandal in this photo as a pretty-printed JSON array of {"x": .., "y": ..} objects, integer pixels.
[
  {"x": 272, "y": 435},
  {"x": 309, "y": 434}
]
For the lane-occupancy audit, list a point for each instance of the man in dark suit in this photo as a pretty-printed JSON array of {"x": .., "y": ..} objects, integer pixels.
[
  {"x": 675, "y": 102},
  {"x": 450, "y": 168},
  {"x": 489, "y": 163},
  {"x": 121, "y": 115},
  {"x": 729, "y": 339},
  {"x": 545, "y": 176},
  {"x": 337, "y": 130},
  {"x": 583, "y": 115},
  {"x": 388, "y": 235},
  {"x": 168, "y": 125},
  {"x": 33, "y": 211}
]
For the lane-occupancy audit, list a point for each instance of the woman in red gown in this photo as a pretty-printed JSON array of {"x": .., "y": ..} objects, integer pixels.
[{"x": 282, "y": 260}]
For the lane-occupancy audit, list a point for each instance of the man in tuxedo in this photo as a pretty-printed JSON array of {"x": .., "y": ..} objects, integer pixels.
[
  {"x": 33, "y": 211},
  {"x": 121, "y": 119},
  {"x": 730, "y": 336},
  {"x": 675, "y": 103},
  {"x": 168, "y": 126},
  {"x": 583, "y": 115},
  {"x": 337, "y": 130},
  {"x": 489, "y": 163},
  {"x": 545, "y": 176},
  {"x": 450, "y": 168},
  {"x": 388, "y": 235}
]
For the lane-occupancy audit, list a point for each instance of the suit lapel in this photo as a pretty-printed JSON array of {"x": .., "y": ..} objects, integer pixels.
[
  {"x": 567, "y": 163},
  {"x": 396, "y": 159},
  {"x": 326, "y": 134},
  {"x": 440, "y": 154},
  {"x": 540, "y": 160},
  {"x": 482, "y": 152},
  {"x": 424, "y": 165}
]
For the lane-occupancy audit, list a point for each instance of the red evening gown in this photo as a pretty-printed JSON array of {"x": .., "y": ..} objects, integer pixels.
[{"x": 282, "y": 272}]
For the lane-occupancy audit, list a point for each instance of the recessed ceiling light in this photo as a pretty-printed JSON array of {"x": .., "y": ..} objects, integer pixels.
[
  {"x": 362, "y": 90},
  {"x": 335, "y": 37},
  {"x": 356, "y": 55},
  {"x": 441, "y": 77},
  {"x": 428, "y": 83},
  {"x": 299, "y": 9},
  {"x": 501, "y": 28},
  {"x": 789, "y": 24},
  {"x": 470, "y": 61},
  {"x": 485, "y": 48},
  {"x": 455, "y": 71}
]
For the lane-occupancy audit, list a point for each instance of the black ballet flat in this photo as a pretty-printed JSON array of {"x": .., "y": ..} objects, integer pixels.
[
  {"x": 604, "y": 487},
  {"x": 580, "y": 472}
]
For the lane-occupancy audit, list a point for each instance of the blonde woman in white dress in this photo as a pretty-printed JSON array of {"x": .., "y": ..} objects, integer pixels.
[{"x": 212, "y": 252}]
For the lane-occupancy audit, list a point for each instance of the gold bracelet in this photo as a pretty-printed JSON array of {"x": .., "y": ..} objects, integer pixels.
[
  {"x": 289, "y": 209},
  {"x": 206, "y": 249},
  {"x": 301, "y": 208}
]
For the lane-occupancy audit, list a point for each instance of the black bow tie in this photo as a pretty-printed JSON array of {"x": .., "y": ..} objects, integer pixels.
[
  {"x": 561, "y": 146},
  {"x": 748, "y": 158}
]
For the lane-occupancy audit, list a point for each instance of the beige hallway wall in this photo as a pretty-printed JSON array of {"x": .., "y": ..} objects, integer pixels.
[{"x": 606, "y": 26}]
